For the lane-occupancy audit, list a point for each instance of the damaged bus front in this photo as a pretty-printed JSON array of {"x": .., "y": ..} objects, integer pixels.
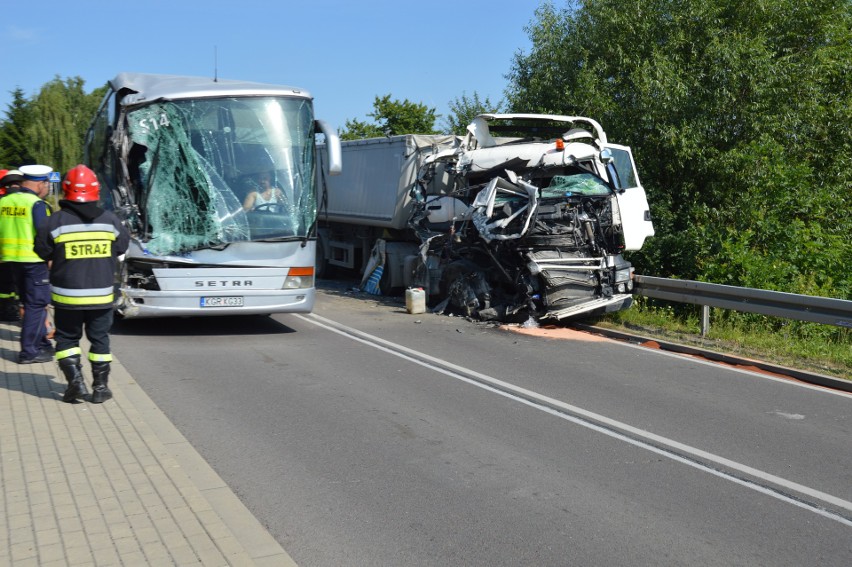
[
  {"x": 216, "y": 182},
  {"x": 549, "y": 205}
]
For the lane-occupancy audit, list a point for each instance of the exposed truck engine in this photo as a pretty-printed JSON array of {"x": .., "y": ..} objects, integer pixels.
[{"x": 525, "y": 216}]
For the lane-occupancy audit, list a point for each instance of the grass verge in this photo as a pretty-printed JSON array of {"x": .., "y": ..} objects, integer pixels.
[{"x": 811, "y": 347}]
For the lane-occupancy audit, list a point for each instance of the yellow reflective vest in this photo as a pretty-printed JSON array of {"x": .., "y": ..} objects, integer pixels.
[{"x": 17, "y": 232}]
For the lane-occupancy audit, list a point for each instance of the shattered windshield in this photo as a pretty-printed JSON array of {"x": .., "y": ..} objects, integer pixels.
[
  {"x": 580, "y": 184},
  {"x": 210, "y": 172}
]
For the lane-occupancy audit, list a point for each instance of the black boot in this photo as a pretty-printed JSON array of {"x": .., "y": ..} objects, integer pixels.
[
  {"x": 73, "y": 371},
  {"x": 100, "y": 391}
]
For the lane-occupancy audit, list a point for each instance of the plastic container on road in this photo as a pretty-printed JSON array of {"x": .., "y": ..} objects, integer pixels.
[{"x": 415, "y": 300}]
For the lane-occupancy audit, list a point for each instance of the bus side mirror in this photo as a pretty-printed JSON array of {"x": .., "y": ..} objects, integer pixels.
[{"x": 332, "y": 146}]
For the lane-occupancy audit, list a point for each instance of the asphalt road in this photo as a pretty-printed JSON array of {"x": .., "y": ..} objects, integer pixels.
[{"x": 363, "y": 435}]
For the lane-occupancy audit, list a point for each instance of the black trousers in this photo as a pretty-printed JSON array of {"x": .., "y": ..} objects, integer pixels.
[
  {"x": 33, "y": 283},
  {"x": 70, "y": 324},
  {"x": 7, "y": 281}
]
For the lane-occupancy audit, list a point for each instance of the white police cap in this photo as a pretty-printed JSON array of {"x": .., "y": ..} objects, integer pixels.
[{"x": 36, "y": 172}]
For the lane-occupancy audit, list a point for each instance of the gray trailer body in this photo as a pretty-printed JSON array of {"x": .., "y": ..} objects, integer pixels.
[
  {"x": 379, "y": 173},
  {"x": 372, "y": 196}
]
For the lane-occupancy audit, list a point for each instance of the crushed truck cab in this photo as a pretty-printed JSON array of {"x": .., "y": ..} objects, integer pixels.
[{"x": 525, "y": 216}]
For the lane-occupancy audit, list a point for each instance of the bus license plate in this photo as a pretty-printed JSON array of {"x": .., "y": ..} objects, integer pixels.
[{"x": 221, "y": 302}]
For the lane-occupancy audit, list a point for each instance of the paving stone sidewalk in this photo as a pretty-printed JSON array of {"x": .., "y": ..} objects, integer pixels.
[{"x": 109, "y": 484}]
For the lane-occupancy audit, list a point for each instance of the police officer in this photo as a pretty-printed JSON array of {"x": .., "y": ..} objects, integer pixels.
[
  {"x": 21, "y": 213},
  {"x": 83, "y": 243},
  {"x": 10, "y": 181}
]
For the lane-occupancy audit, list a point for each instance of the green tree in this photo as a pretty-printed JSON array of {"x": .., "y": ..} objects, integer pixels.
[
  {"x": 60, "y": 115},
  {"x": 357, "y": 130},
  {"x": 13, "y": 143},
  {"x": 464, "y": 109},
  {"x": 738, "y": 114},
  {"x": 391, "y": 118}
]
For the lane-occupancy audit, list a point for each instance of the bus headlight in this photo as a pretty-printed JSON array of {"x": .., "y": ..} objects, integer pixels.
[{"x": 299, "y": 278}]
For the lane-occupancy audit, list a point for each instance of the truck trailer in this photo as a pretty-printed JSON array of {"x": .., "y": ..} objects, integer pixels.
[{"x": 525, "y": 216}]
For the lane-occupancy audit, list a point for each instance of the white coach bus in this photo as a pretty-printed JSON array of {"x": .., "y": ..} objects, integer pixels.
[{"x": 216, "y": 180}]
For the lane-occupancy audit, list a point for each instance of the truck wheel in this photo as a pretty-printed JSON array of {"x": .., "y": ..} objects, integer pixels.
[{"x": 385, "y": 283}]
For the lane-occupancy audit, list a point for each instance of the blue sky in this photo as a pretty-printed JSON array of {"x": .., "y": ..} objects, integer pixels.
[{"x": 344, "y": 52}]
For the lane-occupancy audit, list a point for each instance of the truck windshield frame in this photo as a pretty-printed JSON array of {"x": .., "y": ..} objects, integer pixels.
[{"x": 195, "y": 169}]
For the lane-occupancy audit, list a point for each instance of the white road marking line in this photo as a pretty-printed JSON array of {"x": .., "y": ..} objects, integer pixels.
[{"x": 638, "y": 437}]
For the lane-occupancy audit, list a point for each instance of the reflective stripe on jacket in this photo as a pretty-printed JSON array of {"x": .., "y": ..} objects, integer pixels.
[{"x": 91, "y": 296}]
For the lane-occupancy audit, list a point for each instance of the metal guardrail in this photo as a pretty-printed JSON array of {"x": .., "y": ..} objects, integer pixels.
[{"x": 823, "y": 310}]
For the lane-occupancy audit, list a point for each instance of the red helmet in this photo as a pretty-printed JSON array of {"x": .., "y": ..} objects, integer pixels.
[
  {"x": 81, "y": 185},
  {"x": 3, "y": 173}
]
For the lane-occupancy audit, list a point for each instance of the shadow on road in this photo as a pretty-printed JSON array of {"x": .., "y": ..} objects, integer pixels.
[
  {"x": 349, "y": 289},
  {"x": 201, "y": 326}
]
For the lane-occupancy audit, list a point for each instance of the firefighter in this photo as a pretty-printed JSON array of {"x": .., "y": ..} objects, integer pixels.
[
  {"x": 21, "y": 213},
  {"x": 83, "y": 242},
  {"x": 9, "y": 182}
]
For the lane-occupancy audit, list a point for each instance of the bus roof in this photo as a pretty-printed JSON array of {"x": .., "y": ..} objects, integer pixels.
[{"x": 149, "y": 87}]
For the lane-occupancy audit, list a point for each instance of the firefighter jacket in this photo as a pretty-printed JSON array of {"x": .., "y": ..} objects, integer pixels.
[
  {"x": 84, "y": 243},
  {"x": 18, "y": 214}
]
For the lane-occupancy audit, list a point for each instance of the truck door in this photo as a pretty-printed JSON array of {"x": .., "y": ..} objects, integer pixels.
[{"x": 630, "y": 196}]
